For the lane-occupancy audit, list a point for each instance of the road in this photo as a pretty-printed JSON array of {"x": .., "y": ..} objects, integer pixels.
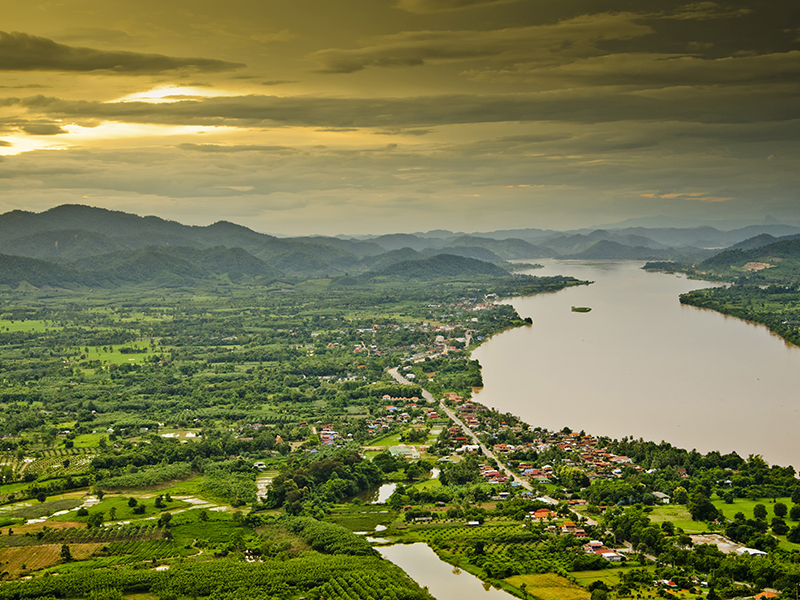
[{"x": 467, "y": 431}]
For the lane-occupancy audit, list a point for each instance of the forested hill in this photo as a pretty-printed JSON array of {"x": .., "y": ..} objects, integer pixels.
[
  {"x": 737, "y": 257},
  {"x": 160, "y": 266},
  {"x": 442, "y": 265},
  {"x": 766, "y": 278}
]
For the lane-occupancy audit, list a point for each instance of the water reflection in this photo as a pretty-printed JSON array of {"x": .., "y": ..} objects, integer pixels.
[
  {"x": 377, "y": 495},
  {"x": 444, "y": 581}
]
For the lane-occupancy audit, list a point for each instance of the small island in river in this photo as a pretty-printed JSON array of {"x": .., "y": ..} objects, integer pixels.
[{"x": 581, "y": 309}]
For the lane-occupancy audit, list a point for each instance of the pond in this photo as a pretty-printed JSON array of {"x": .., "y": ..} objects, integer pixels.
[{"x": 444, "y": 581}]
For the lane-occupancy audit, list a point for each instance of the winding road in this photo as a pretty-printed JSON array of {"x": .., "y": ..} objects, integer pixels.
[{"x": 467, "y": 431}]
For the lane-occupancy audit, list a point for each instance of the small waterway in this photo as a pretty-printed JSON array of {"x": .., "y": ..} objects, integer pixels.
[
  {"x": 444, "y": 581},
  {"x": 377, "y": 495}
]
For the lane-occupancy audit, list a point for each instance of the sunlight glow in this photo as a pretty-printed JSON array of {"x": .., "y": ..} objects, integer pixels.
[
  {"x": 172, "y": 93},
  {"x": 20, "y": 144}
]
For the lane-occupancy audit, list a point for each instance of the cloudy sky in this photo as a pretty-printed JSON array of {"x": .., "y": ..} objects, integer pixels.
[{"x": 358, "y": 116}]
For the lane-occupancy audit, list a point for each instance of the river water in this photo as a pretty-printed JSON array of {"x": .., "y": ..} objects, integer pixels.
[{"x": 642, "y": 364}]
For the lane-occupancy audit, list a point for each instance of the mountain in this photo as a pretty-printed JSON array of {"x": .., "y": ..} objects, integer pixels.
[
  {"x": 138, "y": 266},
  {"x": 377, "y": 263},
  {"x": 605, "y": 249},
  {"x": 442, "y": 265},
  {"x": 507, "y": 249},
  {"x": 475, "y": 252},
  {"x": 14, "y": 270},
  {"x": 396, "y": 241},
  {"x": 777, "y": 252},
  {"x": 61, "y": 245}
]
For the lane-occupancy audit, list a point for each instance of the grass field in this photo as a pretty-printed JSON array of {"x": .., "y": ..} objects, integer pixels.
[
  {"x": 88, "y": 440},
  {"x": 549, "y": 586},
  {"x": 115, "y": 357},
  {"x": 427, "y": 484},
  {"x": 746, "y": 505},
  {"x": 27, "y": 326},
  {"x": 392, "y": 440},
  {"x": 362, "y": 521},
  {"x": 609, "y": 576},
  {"x": 679, "y": 517},
  {"x": 123, "y": 511}
]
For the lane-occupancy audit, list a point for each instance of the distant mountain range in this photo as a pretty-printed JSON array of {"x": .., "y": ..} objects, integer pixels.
[{"x": 81, "y": 246}]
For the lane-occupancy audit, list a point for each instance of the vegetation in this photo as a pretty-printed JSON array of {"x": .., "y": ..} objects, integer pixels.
[{"x": 201, "y": 421}]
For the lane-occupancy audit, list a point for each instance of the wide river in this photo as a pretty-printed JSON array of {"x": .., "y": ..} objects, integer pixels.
[{"x": 640, "y": 364}]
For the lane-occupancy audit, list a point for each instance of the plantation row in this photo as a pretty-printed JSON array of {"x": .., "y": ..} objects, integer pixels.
[
  {"x": 132, "y": 531},
  {"x": 227, "y": 577},
  {"x": 359, "y": 586}
]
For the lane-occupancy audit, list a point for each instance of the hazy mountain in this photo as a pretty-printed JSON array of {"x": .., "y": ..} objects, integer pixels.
[
  {"x": 377, "y": 263},
  {"x": 396, "y": 241},
  {"x": 353, "y": 246},
  {"x": 507, "y": 249},
  {"x": 574, "y": 244},
  {"x": 606, "y": 249},
  {"x": 475, "y": 252}
]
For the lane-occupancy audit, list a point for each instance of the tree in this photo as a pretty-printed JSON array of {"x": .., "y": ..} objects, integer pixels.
[
  {"x": 779, "y": 526},
  {"x": 794, "y": 535},
  {"x": 94, "y": 520},
  {"x": 760, "y": 512},
  {"x": 779, "y": 509},
  {"x": 41, "y": 496},
  {"x": 599, "y": 594},
  {"x": 680, "y": 495},
  {"x": 701, "y": 508},
  {"x": 794, "y": 513},
  {"x": 132, "y": 502},
  {"x": 66, "y": 555}
]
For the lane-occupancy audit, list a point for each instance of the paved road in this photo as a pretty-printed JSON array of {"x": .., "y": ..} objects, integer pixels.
[{"x": 467, "y": 431}]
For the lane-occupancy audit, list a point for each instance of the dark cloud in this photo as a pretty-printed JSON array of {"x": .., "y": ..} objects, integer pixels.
[
  {"x": 5, "y": 144},
  {"x": 277, "y": 82},
  {"x": 94, "y": 34},
  {"x": 28, "y": 86},
  {"x": 435, "y": 6},
  {"x": 590, "y": 105},
  {"x": 543, "y": 45},
  {"x": 23, "y": 52},
  {"x": 43, "y": 129},
  {"x": 218, "y": 148}
]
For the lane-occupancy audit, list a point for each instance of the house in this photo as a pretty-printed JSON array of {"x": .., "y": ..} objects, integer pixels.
[
  {"x": 750, "y": 551},
  {"x": 661, "y": 497}
]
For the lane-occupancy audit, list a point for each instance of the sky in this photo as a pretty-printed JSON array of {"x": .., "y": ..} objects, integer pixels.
[{"x": 375, "y": 116}]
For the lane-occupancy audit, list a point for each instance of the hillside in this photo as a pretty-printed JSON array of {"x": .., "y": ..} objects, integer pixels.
[{"x": 442, "y": 265}]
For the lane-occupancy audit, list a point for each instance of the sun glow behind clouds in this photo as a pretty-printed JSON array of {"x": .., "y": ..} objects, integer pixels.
[
  {"x": 108, "y": 134},
  {"x": 20, "y": 144},
  {"x": 172, "y": 93}
]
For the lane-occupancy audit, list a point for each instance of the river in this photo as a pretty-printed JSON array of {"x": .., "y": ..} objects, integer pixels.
[{"x": 641, "y": 364}]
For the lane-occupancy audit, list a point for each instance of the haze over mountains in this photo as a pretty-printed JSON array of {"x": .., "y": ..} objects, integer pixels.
[{"x": 75, "y": 245}]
